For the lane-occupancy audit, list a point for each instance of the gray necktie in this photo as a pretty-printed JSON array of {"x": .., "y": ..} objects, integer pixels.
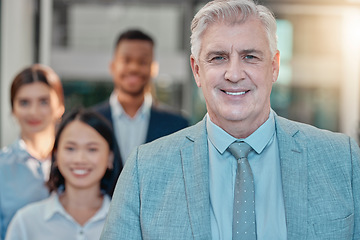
[{"x": 244, "y": 225}]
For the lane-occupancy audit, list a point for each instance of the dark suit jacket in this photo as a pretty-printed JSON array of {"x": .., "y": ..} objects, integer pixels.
[{"x": 161, "y": 123}]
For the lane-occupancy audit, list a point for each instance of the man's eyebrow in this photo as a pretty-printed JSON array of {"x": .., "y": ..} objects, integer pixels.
[
  {"x": 243, "y": 51},
  {"x": 251, "y": 51},
  {"x": 216, "y": 53}
]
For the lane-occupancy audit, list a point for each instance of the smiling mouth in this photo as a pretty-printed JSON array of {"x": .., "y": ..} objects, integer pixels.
[
  {"x": 80, "y": 171},
  {"x": 235, "y": 93},
  {"x": 133, "y": 77}
]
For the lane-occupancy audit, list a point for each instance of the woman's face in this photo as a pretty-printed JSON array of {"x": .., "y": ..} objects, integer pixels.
[
  {"x": 83, "y": 156},
  {"x": 37, "y": 108}
]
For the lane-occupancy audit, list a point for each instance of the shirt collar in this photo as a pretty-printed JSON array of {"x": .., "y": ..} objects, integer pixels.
[
  {"x": 19, "y": 147},
  {"x": 258, "y": 140},
  {"x": 217, "y": 136},
  {"x": 53, "y": 206},
  {"x": 118, "y": 111}
]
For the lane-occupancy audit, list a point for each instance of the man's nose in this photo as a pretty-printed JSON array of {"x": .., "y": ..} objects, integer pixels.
[
  {"x": 133, "y": 65},
  {"x": 235, "y": 70}
]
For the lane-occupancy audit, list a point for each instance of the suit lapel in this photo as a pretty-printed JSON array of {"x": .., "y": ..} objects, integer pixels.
[
  {"x": 293, "y": 161},
  {"x": 195, "y": 164},
  {"x": 151, "y": 132}
]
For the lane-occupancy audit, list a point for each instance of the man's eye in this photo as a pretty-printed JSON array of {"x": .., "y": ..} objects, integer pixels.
[
  {"x": 250, "y": 57},
  {"x": 218, "y": 58},
  {"x": 144, "y": 62},
  {"x": 125, "y": 60}
]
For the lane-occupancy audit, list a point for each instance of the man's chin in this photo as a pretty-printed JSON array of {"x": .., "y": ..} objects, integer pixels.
[{"x": 134, "y": 92}]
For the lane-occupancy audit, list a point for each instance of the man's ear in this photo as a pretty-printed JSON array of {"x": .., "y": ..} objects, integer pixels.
[
  {"x": 276, "y": 66},
  {"x": 154, "y": 69},
  {"x": 195, "y": 70}
]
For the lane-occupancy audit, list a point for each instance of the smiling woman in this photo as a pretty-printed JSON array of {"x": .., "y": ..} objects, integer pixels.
[
  {"x": 37, "y": 104},
  {"x": 82, "y": 180}
]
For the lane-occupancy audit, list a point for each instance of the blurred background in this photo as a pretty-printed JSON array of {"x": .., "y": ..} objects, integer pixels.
[{"x": 319, "y": 42}]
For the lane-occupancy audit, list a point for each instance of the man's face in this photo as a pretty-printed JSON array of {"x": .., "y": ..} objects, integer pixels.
[
  {"x": 236, "y": 71},
  {"x": 131, "y": 66}
]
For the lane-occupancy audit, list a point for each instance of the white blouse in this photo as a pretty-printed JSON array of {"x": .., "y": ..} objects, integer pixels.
[{"x": 47, "y": 219}]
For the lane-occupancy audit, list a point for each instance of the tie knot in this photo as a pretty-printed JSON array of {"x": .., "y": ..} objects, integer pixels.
[{"x": 239, "y": 149}]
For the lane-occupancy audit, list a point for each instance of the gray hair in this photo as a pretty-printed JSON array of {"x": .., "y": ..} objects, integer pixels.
[{"x": 231, "y": 11}]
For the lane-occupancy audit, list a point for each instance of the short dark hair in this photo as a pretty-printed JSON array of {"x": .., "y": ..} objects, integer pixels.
[
  {"x": 134, "y": 34},
  {"x": 36, "y": 73},
  {"x": 103, "y": 127}
]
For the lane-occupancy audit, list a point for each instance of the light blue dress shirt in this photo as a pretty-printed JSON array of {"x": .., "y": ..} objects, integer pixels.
[
  {"x": 48, "y": 219},
  {"x": 130, "y": 132},
  {"x": 265, "y": 165},
  {"x": 22, "y": 181}
]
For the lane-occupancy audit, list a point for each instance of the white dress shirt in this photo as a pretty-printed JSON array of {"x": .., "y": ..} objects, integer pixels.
[{"x": 130, "y": 132}]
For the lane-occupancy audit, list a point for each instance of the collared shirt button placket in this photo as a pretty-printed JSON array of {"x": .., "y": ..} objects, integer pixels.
[{"x": 81, "y": 234}]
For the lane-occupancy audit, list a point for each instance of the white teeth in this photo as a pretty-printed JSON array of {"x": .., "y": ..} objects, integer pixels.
[
  {"x": 80, "y": 171},
  {"x": 235, "y": 93}
]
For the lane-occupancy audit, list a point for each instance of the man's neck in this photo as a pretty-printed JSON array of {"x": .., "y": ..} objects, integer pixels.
[
  {"x": 240, "y": 128},
  {"x": 130, "y": 103}
]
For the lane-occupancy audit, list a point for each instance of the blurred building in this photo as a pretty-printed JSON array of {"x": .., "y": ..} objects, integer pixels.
[{"x": 319, "y": 41}]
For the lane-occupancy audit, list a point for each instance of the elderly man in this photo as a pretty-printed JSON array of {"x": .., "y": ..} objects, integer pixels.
[{"x": 242, "y": 172}]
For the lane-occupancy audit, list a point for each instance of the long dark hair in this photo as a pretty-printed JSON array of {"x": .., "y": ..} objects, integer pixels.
[{"x": 103, "y": 127}]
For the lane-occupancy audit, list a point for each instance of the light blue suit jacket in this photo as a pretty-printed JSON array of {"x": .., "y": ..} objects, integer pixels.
[{"x": 163, "y": 191}]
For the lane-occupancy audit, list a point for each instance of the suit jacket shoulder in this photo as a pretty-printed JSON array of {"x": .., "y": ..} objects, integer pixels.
[
  {"x": 104, "y": 109},
  {"x": 319, "y": 169},
  {"x": 309, "y": 132}
]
